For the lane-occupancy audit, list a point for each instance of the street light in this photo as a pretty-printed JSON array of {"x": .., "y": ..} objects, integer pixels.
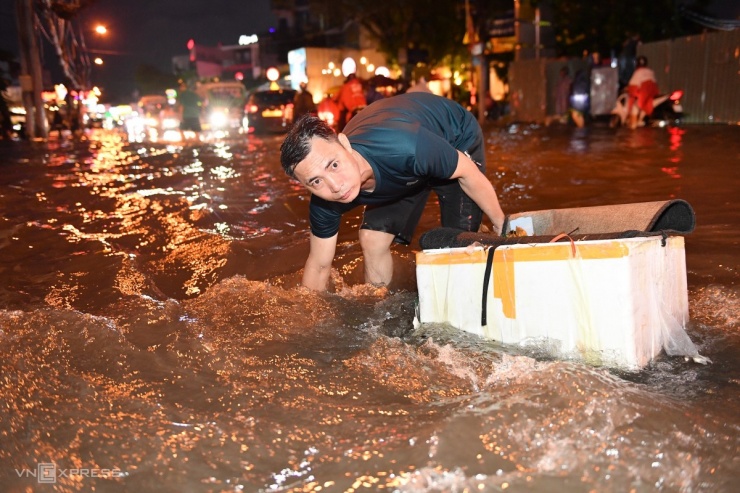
[{"x": 101, "y": 31}]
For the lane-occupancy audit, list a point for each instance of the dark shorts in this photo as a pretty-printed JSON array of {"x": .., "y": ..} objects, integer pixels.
[
  {"x": 190, "y": 123},
  {"x": 401, "y": 218}
]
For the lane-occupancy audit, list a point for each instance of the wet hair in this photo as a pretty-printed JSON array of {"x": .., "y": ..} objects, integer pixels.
[
  {"x": 297, "y": 143},
  {"x": 642, "y": 61}
]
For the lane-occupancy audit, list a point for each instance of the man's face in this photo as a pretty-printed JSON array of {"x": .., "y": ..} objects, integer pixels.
[{"x": 330, "y": 171}]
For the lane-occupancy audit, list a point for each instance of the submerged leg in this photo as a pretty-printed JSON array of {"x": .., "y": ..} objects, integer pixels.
[{"x": 376, "y": 248}]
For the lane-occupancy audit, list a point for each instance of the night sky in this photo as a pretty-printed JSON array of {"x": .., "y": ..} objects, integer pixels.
[{"x": 150, "y": 32}]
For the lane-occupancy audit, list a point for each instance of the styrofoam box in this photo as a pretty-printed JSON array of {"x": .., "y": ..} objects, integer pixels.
[{"x": 611, "y": 302}]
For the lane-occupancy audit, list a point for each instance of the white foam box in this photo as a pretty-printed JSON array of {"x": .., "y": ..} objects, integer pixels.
[{"x": 609, "y": 302}]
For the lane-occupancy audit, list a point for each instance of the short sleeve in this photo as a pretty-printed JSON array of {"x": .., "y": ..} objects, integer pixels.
[
  {"x": 435, "y": 157},
  {"x": 325, "y": 217}
]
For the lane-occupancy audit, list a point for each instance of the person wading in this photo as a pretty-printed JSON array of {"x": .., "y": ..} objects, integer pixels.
[{"x": 389, "y": 158}]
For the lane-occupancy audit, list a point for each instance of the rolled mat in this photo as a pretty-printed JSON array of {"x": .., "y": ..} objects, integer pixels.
[
  {"x": 671, "y": 216},
  {"x": 587, "y": 223}
]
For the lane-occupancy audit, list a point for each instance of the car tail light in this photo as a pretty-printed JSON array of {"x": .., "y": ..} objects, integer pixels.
[
  {"x": 252, "y": 108},
  {"x": 676, "y": 95}
]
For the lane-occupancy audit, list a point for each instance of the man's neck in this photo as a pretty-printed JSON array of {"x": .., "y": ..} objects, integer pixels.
[{"x": 367, "y": 175}]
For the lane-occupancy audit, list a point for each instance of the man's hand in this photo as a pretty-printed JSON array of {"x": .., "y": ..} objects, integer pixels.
[{"x": 318, "y": 265}]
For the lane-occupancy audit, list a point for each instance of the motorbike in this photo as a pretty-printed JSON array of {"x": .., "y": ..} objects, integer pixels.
[{"x": 667, "y": 110}]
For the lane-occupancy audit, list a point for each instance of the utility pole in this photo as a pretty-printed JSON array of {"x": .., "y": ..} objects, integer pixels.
[{"x": 30, "y": 78}]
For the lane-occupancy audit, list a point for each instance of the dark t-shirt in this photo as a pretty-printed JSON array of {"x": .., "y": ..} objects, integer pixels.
[
  {"x": 408, "y": 140},
  {"x": 190, "y": 104}
]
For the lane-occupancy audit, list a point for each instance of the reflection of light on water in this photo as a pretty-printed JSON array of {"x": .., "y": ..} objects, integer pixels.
[
  {"x": 676, "y": 137},
  {"x": 671, "y": 171},
  {"x": 259, "y": 208},
  {"x": 222, "y": 150},
  {"x": 159, "y": 191},
  {"x": 224, "y": 172},
  {"x": 579, "y": 142},
  {"x": 254, "y": 230},
  {"x": 221, "y": 228},
  {"x": 193, "y": 168},
  {"x": 676, "y": 140}
]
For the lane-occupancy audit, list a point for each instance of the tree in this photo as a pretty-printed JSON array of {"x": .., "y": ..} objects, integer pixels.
[
  {"x": 434, "y": 28},
  {"x": 151, "y": 80}
]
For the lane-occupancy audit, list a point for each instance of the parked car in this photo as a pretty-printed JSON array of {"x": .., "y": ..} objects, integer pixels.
[{"x": 270, "y": 110}]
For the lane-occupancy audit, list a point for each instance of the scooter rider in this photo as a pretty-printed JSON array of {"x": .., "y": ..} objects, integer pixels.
[{"x": 642, "y": 89}]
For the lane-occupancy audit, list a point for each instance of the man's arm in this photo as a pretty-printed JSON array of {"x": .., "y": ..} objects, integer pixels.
[
  {"x": 318, "y": 265},
  {"x": 477, "y": 187}
]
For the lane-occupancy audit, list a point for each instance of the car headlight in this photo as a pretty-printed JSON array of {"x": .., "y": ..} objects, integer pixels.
[
  {"x": 218, "y": 119},
  {"x": 170, "y": 123}
]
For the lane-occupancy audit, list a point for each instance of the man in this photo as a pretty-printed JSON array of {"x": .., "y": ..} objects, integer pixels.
[
  {"x": 189, "y": 104},
  {"x": 562, "y": 95},
  {"x": 303, "y": 102},
  {"x": 389, "y": 158},
  {"x": 351, "y": 98},
  {"x": 642, "y": 89}
]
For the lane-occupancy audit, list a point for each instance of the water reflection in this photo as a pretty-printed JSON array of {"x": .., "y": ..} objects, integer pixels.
[{"x": 579, "y": 140}]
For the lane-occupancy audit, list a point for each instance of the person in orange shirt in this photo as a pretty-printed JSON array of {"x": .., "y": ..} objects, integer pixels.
[{"x": 351, "y": 99}]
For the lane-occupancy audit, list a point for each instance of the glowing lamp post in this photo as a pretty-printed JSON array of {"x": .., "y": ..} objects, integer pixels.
[
  {"x": 383, "y": 71},
  {"x": 273, "y": 75},
  {"x": 348, "y": 66}
]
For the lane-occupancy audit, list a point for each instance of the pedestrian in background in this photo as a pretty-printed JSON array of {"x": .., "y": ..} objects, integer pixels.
[
  {"x": 372, "y": 94},
  {"x": 351, "y": 99},
  {"x": 189, "y": 104},
  {"x": 642, "y": 89},
  {"x": 562, "y": 95},
  {"x": 303, "y": 102}
]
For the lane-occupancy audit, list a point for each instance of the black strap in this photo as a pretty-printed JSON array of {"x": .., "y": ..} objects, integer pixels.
[{"x": 486, "y": 280}]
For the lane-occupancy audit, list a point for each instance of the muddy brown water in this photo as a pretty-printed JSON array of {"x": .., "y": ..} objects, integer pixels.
[{"x": 154, "y": 339}]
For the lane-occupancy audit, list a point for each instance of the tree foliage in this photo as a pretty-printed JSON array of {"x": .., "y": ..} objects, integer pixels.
[
  {"x": 438, "y": 26},
  {"x": 435, "y": 27},
  {"x": 151, "y": 80},
  {"x": 604, "y": 25}
]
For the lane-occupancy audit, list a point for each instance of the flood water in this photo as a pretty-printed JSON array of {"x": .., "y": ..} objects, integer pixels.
[{"x": 154, "y": 338}]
